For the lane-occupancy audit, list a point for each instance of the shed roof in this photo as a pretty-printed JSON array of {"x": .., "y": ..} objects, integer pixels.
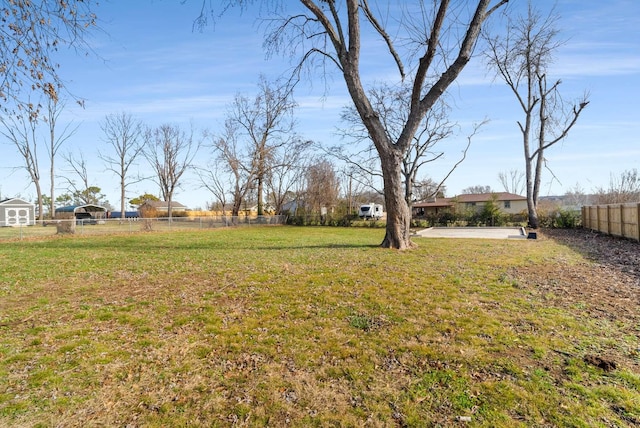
[
  {"x": 10, "y": 201},
  {"x": 80, "y": 208}
]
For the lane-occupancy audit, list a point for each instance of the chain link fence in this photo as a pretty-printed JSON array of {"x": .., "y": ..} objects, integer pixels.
[{"x": 112, "y": 226}]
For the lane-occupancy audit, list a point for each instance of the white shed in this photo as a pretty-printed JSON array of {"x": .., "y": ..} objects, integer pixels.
[{"x": 17, "y": 212}]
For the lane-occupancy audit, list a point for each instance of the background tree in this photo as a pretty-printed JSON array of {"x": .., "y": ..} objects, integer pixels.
[
  {"x": 30, "y": 32},
  {"x": 476, "y": 190},
  {"x": 490, "y": 213},
  {"x": 622, "y": 189},
  {"x": 216, "y": 182},
  {"x": 521, "y": 58},
  {"x": 20, "y": 129},
  {"x": 513, "y": 181},
  {"x": 170, "y": 153},
  {"x": 231, "y": 171},
  {"x": 428, "y": 188},
  {"x": 64, "y": 199},
  {"x": 287, "y": 170},
  {"x": 576, "y": 197},
  {"x": 425, "y": 43},
  {"x": 84, "y": 192},
  {"x": 124, "y": 134},
  {"x": 267, "y": 123},
  {"x": 139, "y": 200},
  {"x": 322, "y": 186},
  {"x": 56, "y": 139},
  {"x": 91, "y": 195}
]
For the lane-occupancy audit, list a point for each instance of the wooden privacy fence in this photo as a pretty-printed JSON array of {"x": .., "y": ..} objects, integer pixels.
[{"x": 614, "y": 219}]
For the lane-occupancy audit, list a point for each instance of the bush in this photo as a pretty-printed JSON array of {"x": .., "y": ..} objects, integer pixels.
[
  {"x": 445, "y": 218},
  {"x": 369, "y": 223},
  {"x": 347, "y": 220},
  {"x": 560, "y": 219},
  {"x": 420, "y": 223}
]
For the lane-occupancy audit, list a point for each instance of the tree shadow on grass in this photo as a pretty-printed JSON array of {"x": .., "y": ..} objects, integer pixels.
[{"x": 124, "y": 246}]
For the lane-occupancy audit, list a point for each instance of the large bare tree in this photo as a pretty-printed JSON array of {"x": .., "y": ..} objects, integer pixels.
[
  {"x": 124, "y": 134},
  {"x": 21, "y": 130},
  {"x": 231, "y": 170},
  {"x": 170, "y": 152},
  {"x": 521, "y": 58},
  {"x": 428, "y": 45},
  {"x": 56, "y": 139},
  {"x": 30, "y": 32},
  {"x": 265, "y": 123}
]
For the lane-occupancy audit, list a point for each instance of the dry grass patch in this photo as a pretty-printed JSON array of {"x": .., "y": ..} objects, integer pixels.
[{"x": 300, "y": 326}]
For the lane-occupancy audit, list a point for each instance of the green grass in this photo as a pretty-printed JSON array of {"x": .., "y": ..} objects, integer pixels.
[{"x": 300, "y": 326}]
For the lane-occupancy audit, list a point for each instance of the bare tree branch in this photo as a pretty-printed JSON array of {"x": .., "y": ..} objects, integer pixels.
[{"x": 385, "y": 36}]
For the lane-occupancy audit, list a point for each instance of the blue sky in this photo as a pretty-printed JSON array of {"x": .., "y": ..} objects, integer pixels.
[{"x": 150, "y": 63}]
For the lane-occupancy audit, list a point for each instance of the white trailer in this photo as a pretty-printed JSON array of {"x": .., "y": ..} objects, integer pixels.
[{"x": 370, "y": 211}]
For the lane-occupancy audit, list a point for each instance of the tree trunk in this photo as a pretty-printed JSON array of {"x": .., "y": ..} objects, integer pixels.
[
  {"x": 260, "y": 190},
  {"x": 40, "y": 204},
  {"x": 122, "y": 196},
  {"x": 260, "y": 174},
  {"x": 52, "y": 206},
  {"x": 235, "y": 209},
  {"x": 531, "y": 200},
  {"x": 398, "y": 234},
  {"x": 537, "y": 176},
  {"x": 533, "y": 211},
  {"x": 408, "y": 187}
]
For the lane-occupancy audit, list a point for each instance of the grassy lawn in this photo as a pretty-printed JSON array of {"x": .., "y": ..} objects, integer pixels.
[{"x": 270, "y": 326}]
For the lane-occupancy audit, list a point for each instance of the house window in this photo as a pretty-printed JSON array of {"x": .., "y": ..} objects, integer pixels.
[
  {"x": 507, "y": 204},
  {"x": 471, "y": 204}
]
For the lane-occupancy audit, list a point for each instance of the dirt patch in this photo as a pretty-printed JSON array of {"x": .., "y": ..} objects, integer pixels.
[
  {"x": 603, "y": 289},
  {"x": 621, "y": 254}
]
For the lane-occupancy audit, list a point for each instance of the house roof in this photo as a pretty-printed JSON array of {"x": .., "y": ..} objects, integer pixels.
[
  {"x": 163, "y": 204},
  {"x": 19, "y": 201},
  {"x": 485, "y": 197},
  {"x": 439, "y": 202}
]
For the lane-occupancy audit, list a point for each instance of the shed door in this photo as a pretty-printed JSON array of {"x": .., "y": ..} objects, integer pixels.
[{"x": 16, "y": 216}]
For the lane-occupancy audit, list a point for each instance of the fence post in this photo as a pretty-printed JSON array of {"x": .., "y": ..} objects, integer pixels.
[
  {"x": 638, "y": 220},
  {"x": 621, "y": 207}
]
